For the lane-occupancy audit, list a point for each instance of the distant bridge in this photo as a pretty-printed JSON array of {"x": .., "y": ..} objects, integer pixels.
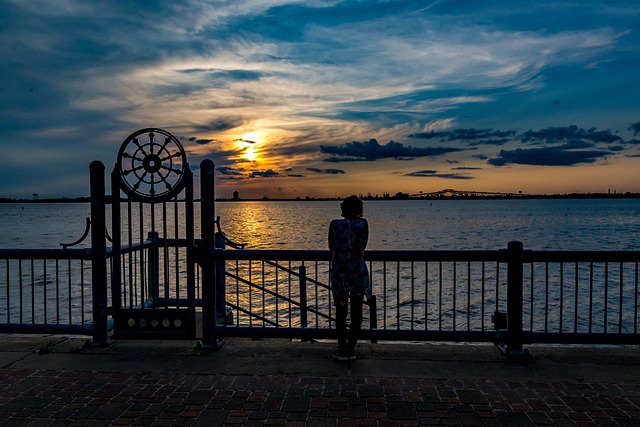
[{"x": 449, "y": 192}]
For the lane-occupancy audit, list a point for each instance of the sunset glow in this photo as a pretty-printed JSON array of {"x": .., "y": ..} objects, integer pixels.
[{"x": 325, "y": 98}]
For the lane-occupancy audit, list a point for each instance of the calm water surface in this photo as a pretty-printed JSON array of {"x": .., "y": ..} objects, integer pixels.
[{"x": 594, "y": 224}]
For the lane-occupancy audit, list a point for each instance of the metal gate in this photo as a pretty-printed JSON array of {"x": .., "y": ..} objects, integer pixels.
[{"x": 153, "y": 288}]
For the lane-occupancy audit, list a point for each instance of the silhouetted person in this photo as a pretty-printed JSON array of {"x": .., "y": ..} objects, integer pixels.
[{"x": 349, "y": 275}]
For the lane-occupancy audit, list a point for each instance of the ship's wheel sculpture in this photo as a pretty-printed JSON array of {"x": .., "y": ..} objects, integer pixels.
[{"x": 151, "y": 165}]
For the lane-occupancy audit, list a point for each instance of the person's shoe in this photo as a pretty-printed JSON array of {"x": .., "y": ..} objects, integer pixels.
[{"x": 341, "y": 355}]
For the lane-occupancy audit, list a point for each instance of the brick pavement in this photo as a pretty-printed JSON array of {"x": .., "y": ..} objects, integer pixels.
[
  {"x": 79, "y": 398},
  {"x": 57, "y": 381}
]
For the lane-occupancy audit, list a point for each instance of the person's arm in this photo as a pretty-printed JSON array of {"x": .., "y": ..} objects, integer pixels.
[
  {"x": 330, "y": 236},
  {"x": 366, "y": 233}
]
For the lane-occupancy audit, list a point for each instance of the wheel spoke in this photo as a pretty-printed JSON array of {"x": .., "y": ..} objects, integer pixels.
[
  {"x": 170, "y": 156},
  {"x": 151, "y": 135},
  {"x": 137, "y": 144},
  {"x": 140, "y": 180},
  {"x": 131, "y": 156},
  {"x": 134, "y": 169}
]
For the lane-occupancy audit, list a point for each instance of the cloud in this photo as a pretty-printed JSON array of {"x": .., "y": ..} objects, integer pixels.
[
  {"x": 467, "y": 134},
  {"x": 248, "y": 141},
  {"x": 568, "y": 133},
  {"x": 268, "y": 173},
  {"x": 202, "y": 141},
  {"x": 427, "y": 173},
  {"x": 562, "y": 155},
  {"x": 328, "y": 171},
  {"x": 334, "y": 171},
  {"x": 224, "y": 170},
  {"x": 371, "y": 150},
  {"x": 635, "y": 127}
]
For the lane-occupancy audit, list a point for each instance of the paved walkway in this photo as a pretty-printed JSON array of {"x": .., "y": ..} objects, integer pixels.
[{"x": 56, "y": 381}]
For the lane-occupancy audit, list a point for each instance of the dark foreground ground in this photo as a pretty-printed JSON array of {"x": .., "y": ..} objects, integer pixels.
[{"x": 56, "y": 381}]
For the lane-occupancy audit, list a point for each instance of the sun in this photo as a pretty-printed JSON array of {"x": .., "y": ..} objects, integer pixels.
[{"x": 248, "y": 143}]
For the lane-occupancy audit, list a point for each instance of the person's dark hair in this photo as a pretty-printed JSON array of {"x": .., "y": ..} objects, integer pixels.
[{"x": 351, "y": 207}]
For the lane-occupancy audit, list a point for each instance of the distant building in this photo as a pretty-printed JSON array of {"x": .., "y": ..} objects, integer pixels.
[
  {"x": 236, "y": 195},
  {"x": 34, "y": 196}
]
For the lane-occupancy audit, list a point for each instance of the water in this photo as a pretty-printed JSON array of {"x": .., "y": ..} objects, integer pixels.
[
  {"x": 412, "y": 295},
  {"x": 590, "y": 224}
]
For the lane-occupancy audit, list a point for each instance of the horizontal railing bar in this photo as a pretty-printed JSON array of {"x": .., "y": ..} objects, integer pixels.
[
  {"x": 45, "y": 254},
  {"x": 580, "y": 338},
  {"x": 386, "y": 255},
  {"x": 580, "y": 256},
  {"x": 84, "y": 254}
]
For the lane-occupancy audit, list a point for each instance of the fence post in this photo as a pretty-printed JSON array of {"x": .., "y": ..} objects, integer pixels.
[
  {"x": 207, "y": 230},
  {"x": 98, "y": 252},
  {"x": 514, "y": 299},
  {"x": 303, "y": 296},
  {"x": 116, "y": 245},
  {"x": 153, "y": 268}
]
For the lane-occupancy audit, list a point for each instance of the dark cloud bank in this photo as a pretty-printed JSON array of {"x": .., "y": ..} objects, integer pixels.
[
  {"x": 553, "y": 146},
  {"x": 371, "y": 150}
]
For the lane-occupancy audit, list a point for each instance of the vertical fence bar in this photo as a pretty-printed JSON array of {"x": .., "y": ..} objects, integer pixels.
[
  {"x": 635, "y": 303},
  {"x": 426, "y": 295},
  {"x": 606, "y": 295},
  {"x": 482, "y": 299},
  {"x": 575, "y": 307},
  {"x": 440, "y": 296},
  {"x": 621, "y": 297},
  {"x": 98, "y": 252},
  {"x": 398, "y": 295},
  {"x": 413, "y": 295},
  {"x": 561, "y": 327},
  {"x": 373, "y": 315},
  {"x": 153, "y": 268},
  {"x": 221, "y": 287},
  {"x": 514, "y": 297},
  {"x": 303, "y": 296},
  {"x": 590, "y": 296}
]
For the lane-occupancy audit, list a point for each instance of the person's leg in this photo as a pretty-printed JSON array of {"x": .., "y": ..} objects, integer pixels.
[
  {"x": 341, "y": 323},
  {"x": 356, "y": 322}
]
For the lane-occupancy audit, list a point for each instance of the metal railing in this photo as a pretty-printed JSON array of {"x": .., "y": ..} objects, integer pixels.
[
  {"x": 509, "y": 296},
  {"x": 416, "y": 295},
  {"x": 45, "y": 291}
]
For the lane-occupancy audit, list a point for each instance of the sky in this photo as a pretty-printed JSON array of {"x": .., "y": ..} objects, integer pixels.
[{"x": 326, "y": 98}]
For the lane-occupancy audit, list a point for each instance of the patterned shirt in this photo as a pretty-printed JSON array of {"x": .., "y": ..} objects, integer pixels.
[{"x": 347, "y": 242}]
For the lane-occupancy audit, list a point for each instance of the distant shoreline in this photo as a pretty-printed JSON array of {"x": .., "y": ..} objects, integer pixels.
[{"x": 413, "y": 198}]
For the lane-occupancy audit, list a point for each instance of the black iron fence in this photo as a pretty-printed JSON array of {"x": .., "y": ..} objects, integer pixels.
[
  {"x": 509, "y": 296},
  {"x": 45, "y": 291}
]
